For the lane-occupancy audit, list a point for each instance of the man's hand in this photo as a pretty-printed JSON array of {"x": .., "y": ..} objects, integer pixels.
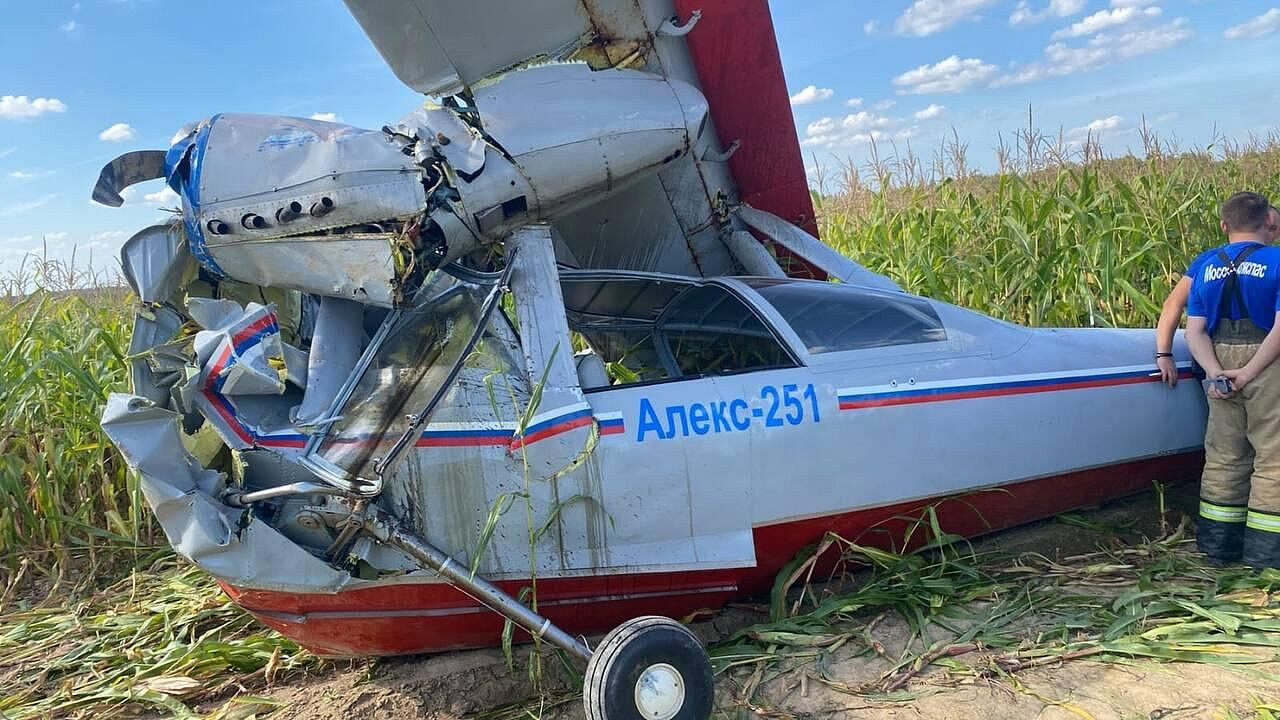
[
  {"x": 1239, "y": 377},
  {"x": 1168, "y": 371}
]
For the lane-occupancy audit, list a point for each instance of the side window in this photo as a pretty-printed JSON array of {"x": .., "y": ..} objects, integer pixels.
[
  {"x": 649, "y": 330},
  {"x": 830, "y": 317},
  {"x": 711, "y": 332},
  {"x": 629, "y": 355}
]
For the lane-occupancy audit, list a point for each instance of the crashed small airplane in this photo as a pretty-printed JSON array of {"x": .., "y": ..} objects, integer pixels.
[{"x": 570, "y": 320}]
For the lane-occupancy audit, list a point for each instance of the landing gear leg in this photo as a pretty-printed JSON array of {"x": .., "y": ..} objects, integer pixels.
[{"x": 648, "y": 668}]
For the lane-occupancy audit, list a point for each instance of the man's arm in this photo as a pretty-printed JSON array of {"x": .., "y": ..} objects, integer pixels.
[
  {"x": 1201, "y": 346},
  {"x": 1267, "y": 352},
  {"x": 1167, "y": 326}
]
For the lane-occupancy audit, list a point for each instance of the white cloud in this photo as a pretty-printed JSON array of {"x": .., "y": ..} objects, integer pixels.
[
  {"x": 6, "y": 152},
  {"x": 871, "y": 26},
  {"x": 859, "y": 127},
  {"x": 69, "y": 27},
  {"x": 1101, "y": 50},
  {"x": 118, "y": 133},
  {"x": 812, "y": 94},
  {"x": 1097, "y": 127},
  {"x": 884, "y": 105},
  {"x": 164, "y": 196},
  {"x": 1265, "y": 24},
  {"x": 926, "y": 17},
  {"x": 853, "y": 102},
  {"x": 29, "y": 174},
  {"x": 1104, "y": 19},
  {"x": 20, "y": 107},
  {"x": 930, "y": 112},
  {"x": 1024, "y": 15},
  {"x": 327, "y": 117},
  {"x": 56, "y": 236},
  {"x": 108, "y": 237},
  {"x": 952, "y": 75},
  {"x": 19, "y": 208}
]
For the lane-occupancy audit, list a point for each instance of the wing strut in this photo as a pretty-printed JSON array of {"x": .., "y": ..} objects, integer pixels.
[{"x": 812, "y": 250}]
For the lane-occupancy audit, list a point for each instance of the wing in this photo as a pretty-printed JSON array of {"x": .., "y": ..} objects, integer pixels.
[{"x": 680, "y": 220}]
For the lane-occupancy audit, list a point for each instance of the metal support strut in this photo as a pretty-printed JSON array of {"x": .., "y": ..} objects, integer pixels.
[{"x": 483, "y": 591}]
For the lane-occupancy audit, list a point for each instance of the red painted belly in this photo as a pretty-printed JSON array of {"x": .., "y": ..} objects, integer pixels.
[{"x": 431, "y": 617}]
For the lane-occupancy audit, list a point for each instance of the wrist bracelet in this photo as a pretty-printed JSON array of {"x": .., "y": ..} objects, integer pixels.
[{"x": 1163, "y": 354}]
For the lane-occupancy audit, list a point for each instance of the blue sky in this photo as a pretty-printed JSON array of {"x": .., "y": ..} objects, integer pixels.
[{"x": 81, "y": 82}]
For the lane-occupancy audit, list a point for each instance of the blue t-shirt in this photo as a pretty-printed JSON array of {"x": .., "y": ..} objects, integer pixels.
[{"x": 1259, "y": 280}]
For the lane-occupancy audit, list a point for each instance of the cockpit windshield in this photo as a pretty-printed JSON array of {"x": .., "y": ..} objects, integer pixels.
[
  {"x": 831, "y": 317},
  {"x": 414, "y": 357}
]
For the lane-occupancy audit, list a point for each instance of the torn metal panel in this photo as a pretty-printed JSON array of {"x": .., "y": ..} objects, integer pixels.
[
  {"x": 812, "y": 249},
  {"x": 335, "y": 350},
  {"x": 245, "y": 356},
  {"x": 183, "y": 497},
  {"x": 155, "y": 261},
  {"x": 296, "y": 361},
  {"x": 240, "y": 354},
  {"x": 364, "y": 267},
  {"x": 149, "y": 375}
]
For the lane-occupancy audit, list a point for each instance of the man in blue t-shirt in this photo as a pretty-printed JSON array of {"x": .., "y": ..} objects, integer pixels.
[
  {"x": 1176, "y": 302},
  {"x": 1232, "y": 313}
]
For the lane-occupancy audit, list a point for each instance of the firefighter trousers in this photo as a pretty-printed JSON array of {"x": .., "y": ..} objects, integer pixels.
[{"x": 1240, "y": 487}]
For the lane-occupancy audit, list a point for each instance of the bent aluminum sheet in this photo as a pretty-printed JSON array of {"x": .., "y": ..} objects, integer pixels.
[
  {"x": 155, "y": 260},
  {"x": 152, "y": 370},
  {"x": 359, "y": 267},
  {"x": 182, "y": 495}
]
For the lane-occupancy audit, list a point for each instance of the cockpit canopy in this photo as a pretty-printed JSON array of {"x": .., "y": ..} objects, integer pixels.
[{"x": 649, "y": 328}]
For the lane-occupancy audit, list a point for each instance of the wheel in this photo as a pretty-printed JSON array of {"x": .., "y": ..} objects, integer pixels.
[{"x": 649, "y": 668}]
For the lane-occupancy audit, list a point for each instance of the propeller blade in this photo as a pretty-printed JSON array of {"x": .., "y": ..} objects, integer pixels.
[{"x": 128, "y": 169}]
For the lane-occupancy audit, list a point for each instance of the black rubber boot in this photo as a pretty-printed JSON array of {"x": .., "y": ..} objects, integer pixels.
[
  {"x": 1223, "y": 542},
  {"x": 1261, "y": 549}
]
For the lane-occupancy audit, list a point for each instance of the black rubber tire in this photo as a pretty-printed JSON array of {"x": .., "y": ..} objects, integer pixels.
[{"x": 609, "y": 688}]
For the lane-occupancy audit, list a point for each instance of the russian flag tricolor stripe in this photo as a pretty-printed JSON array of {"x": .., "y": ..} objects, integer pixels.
[
  {"x": 435, "y": 436},
  {"x": 610, "y": 423},
  {"x": 943, "y": 391},
  {"x": 252, "y": 334}
]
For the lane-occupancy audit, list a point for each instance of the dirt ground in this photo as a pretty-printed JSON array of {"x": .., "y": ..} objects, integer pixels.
[{"x": 474, "y": 683}]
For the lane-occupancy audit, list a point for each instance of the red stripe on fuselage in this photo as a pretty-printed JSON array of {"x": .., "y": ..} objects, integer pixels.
[
  {"x": 261, "y": 323},
  {"x": 556, "y": 429},
  {"x": 943, "y": 396}
]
